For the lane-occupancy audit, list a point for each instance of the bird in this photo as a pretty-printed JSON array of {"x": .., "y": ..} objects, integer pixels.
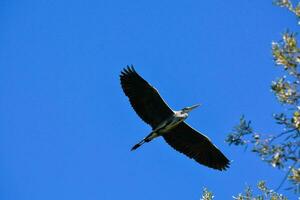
[{"x": 168, "y": 123}]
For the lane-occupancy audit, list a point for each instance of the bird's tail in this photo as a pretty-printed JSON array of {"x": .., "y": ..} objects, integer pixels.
[{"x": 151, "y": 136}]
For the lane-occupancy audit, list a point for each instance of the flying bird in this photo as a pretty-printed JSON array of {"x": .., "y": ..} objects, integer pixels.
[{"x": 169, "y": 124}]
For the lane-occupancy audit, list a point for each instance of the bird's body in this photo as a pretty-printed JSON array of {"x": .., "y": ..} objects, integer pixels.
[
  {"x": 164, "y": 127},
  {"x": 169, "y": 124}
]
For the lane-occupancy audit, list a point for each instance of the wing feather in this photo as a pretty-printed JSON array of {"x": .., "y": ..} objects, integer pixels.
[
  {"x": 144, "y": 98},
  {"x": 193, "y": 144}
]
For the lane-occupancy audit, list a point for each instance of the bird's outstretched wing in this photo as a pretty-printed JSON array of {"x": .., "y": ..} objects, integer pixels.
[
  {"x": 193, "y": 144},
  {"x": 144, "y": 98}
]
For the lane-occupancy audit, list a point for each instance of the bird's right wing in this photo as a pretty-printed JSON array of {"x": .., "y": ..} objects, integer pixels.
[
  {"x": 144, "y": 98},
  {"x": 193, "y": 144}
]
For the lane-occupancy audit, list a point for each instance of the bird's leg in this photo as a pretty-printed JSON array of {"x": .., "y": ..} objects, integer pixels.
[
  {"x": 149, "y": 137},
  {"x": 138, "y": 145}
]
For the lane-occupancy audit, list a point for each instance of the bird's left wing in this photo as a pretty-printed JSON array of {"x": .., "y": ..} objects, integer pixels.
[
  {"x": 144, "y": 98},
  {"x": 193, "y": 144}
]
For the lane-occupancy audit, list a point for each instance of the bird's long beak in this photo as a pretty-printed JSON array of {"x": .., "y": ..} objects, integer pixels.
[{"x": 194, "y": 106}]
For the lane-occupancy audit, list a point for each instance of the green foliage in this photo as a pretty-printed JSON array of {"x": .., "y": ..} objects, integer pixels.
[
  {"x": 207, "y": 195},
  {"x": 289, "y": 5},
  {"x": 265, "y": 193},
  {"x": 280, "y": 150},
  {"x": 281, "y": 154},
  {"x": 239, "y": 133}
]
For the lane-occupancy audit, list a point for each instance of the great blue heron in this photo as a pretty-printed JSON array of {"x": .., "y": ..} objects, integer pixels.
[{"x": 167, "y": 123}]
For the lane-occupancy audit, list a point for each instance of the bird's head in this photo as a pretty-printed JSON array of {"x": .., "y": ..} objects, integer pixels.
[{"x": 190, "y": 108}]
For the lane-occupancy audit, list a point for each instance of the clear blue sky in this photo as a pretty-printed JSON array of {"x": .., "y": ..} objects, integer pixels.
[{"x": 66, "y": 127}]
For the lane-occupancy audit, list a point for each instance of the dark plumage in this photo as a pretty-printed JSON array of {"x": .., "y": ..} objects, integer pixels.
[
  {"x": 144, "y": 98},
  {"x": 152, "y": 109},
  {"x": 190, "y": 142}
]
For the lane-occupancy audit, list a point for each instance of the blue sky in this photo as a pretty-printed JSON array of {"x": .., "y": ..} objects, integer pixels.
[{"x": 66, "y": 127}]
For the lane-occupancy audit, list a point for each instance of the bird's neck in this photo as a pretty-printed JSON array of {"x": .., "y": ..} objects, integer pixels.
[{"x": 181, "y": 114}]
